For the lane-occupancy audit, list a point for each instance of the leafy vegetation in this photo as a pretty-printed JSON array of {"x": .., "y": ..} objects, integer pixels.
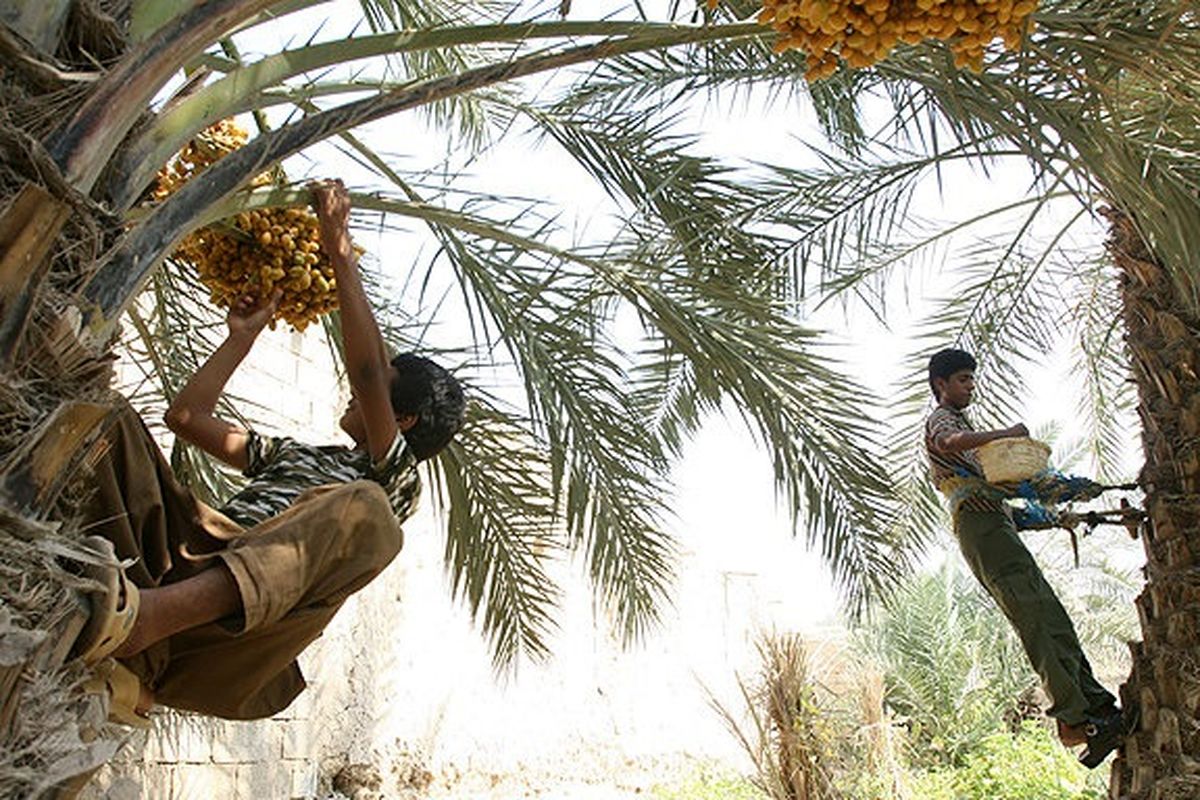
[
  {"x": 932, "y": 700},
  {"x": 954, "y": 673},
  {"x": 1013, "y": 766},
  {"x": 708, "y": 784}
]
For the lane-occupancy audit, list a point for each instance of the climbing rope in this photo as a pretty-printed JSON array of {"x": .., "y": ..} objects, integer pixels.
[{"x": 1042, "y": 495}]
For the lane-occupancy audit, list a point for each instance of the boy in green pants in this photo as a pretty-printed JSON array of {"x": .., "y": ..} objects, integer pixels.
[{"x": 1085, "y": 711}]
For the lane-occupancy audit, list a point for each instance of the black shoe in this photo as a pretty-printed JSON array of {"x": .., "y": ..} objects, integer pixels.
[{"x": 1106, "y": 733}]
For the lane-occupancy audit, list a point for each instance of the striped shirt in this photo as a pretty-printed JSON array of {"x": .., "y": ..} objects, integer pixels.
[
  {"x": 964, "y": 464},
  {"x": 281, "y": 468}
]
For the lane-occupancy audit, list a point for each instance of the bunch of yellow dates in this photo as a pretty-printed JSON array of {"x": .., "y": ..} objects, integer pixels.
[
  {"x": 253, "y": 253},
  {"x": 862, "y": 32}
]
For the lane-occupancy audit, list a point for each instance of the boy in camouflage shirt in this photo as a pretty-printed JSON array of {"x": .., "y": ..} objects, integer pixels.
[
  {"x": 1085, "y": 711},
  {"x": 217, "y": 604}
]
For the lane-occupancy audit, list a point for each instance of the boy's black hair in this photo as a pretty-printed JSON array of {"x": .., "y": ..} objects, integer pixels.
[
  {"x": 434, "y": 396},
  {"x": 945, "y": 363}
]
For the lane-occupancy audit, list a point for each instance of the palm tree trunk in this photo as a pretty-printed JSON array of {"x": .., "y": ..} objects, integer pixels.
[
  {"x": 1162, "y": 759},
  {"x": 50, "y": 234}
]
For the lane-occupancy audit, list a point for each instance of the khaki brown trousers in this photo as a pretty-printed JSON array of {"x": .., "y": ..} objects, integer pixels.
[
  {"x": 1002, "y": 563},
  {"x": 293, "y": 573}
]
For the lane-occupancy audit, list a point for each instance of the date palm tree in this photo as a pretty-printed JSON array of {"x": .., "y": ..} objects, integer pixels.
[
  {"x": 1099, "y": 108},
  {"x": 1101, "y": 102},
  {"x": 98, "y": 96}
]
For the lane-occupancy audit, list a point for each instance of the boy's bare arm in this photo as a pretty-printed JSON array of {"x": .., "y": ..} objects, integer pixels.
[
  {"x": 367, "y": 365},
  {"x": 191, "y": 415},
  {"x": 958, "y": 441}
]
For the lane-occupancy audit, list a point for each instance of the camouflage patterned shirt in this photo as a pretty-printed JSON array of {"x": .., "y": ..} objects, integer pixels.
[{"x": 281, "y": 468}]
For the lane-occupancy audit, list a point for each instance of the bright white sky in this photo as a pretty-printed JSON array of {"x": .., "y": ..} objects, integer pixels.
[{"x": 725, "y": 498}]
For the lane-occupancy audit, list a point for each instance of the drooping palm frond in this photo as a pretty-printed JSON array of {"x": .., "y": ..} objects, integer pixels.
[
  {"x": 920, "y": 517},
  {"x": 676, "y": 208},
  {"x": 1103, "y": 93},
  {"x": 772, "y": 370},
  {"x": 1102, "y": 365},
  {"x": 702, "y": 285},
  {"x": 700, "y": 256},
  {"x": 1101, "y": 99},
  {"x": 1008, "y": 319},
  {"x": 502, "y": 529},
  {"x": 604, "y": 476},
  {"x": 814, "y": 422}
]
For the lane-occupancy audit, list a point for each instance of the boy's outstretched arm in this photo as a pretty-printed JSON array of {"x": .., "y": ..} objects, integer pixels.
[
  {"x": 958, "y": 441},
  {"x": 191, "y": 416},
  {"x": 363, "y": 350}
]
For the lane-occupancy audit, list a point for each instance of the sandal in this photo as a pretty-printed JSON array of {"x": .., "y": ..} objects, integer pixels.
[
  {"x": 114, "y": 608},
  {"x": 1107, "y": 733},
  {"x": 123, "y": 688}
]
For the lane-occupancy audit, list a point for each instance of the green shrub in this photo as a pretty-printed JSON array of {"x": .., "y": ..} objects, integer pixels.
[
  {"x": 953, "y": 668},
  {"x": 707, "y": 785},
  {"x": 1029, "y": 764}
]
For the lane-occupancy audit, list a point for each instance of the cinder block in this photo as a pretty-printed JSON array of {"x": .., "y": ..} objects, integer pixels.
[
  {"x": 304, "y": 781},
  {"x": 180, "y": 739},
  {"x": 263, "y": 781},
  {"x": 133, "y": 749},
  {"x": 299, "y": 739},
  {"x": 241, "y": 742},
  {"x": 156, "y": 780},
  {"x": 203, "y": 781},
  {"x": 119, "y": 782}
]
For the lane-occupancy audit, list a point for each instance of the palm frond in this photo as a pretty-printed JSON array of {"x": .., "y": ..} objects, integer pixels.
[
  {"x": 1102, "y": 365},
  {"x": 716, "y": 325},
  {"x": 607, "y": 479},
  {"x": 782, "y": 382},
  {"x": 502, "y": 531},
  {"x": 953, "y": 668}
]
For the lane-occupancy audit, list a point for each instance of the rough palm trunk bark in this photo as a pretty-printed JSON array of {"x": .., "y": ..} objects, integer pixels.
[
  {"x": 49, "y": 241},
  {"x": 1161, "y": 760}
]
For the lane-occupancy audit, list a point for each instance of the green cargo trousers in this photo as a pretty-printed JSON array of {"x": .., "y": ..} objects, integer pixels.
[{"x": 1004, "y": 566}]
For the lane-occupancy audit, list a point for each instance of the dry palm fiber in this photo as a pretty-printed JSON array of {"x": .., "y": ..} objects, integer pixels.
[
  {"x": 50, "y": 731},
  {"x": 48, "y": 728}
]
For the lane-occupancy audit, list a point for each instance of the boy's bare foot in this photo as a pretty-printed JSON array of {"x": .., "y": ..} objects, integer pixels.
[
  {"x": 1071, "y": 735},
  {"x": 114, "y": 605},
  {"x": 166, "y": 610}
]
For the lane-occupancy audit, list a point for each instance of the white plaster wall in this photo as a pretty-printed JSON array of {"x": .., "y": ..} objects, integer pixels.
[{"x": 403, "y": 682}]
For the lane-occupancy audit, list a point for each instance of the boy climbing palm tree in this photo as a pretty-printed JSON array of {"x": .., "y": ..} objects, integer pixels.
[
  {"x": 216, "y": 604},
  {"x": 1085, "y": 711}
]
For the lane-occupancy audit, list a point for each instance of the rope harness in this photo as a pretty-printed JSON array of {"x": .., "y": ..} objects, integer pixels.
[{"x": 1041, "y": 496}]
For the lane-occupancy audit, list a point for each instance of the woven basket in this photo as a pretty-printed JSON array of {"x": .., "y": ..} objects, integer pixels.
[{"x": 1012, "y": 460}]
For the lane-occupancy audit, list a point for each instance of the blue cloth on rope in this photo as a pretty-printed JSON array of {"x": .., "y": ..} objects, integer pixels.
[
  {"x": 1053, "y": 487},
  {"x": 1039, "y": 493},
  {"x": 1033, "y": 515}
]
